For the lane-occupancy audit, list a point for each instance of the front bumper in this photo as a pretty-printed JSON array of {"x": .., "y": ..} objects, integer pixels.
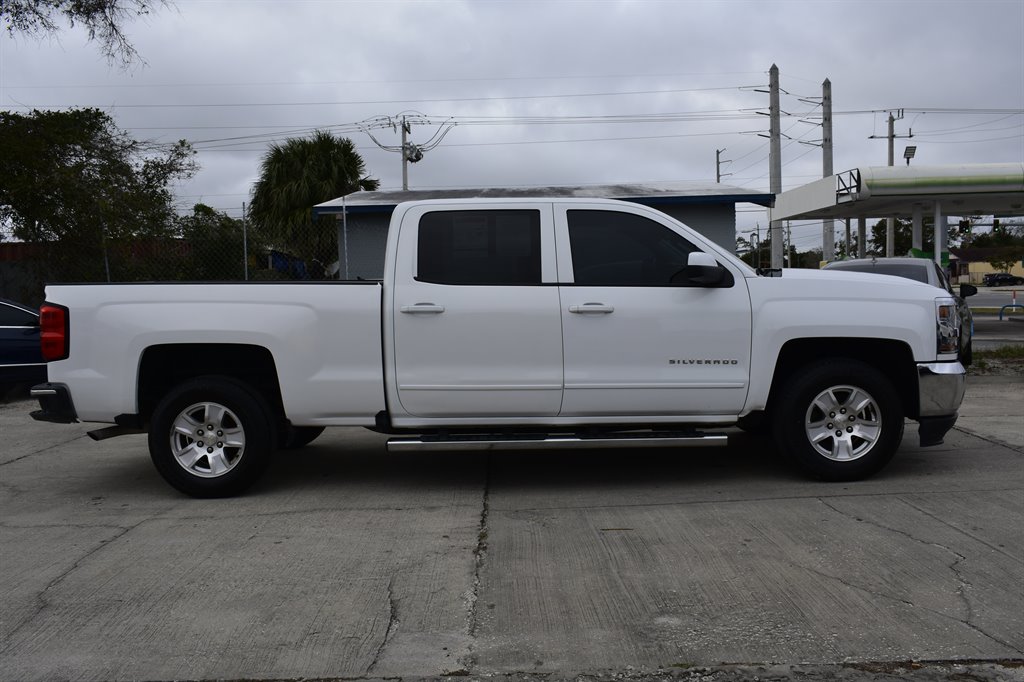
[
  {"x": 940, "y": 388},
  {"x": 55, "y": 404}
]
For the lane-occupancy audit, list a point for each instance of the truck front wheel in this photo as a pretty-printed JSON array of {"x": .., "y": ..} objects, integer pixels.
[
  {"x": 211, "y": 437},
  {"x": 839, "y": 420}
]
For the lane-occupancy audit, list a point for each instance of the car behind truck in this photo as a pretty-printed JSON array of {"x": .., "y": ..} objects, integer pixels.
[{"x": 510, "y": 324}]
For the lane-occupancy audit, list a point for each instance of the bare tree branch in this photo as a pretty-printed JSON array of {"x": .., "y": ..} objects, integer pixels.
[{"x": 102, "y": 19}]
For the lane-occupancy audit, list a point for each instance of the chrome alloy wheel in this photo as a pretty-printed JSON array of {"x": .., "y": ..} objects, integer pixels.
[
  {"x": 207, "y": 440},
  {"x": 843, "y": 423}
]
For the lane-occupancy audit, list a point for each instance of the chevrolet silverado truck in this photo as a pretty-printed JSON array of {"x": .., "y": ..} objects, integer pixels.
[{"x": 510, "y": 324}]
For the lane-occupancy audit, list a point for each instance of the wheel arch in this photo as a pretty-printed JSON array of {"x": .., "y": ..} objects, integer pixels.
[
  {"x": 893, "y": 358},
  {"x": 162, "y": 367}
]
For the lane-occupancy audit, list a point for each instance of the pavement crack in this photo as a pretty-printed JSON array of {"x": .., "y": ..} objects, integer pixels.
[
  {"x": 41, "y": 599},
  {"x": 393, "y": 623},
  {"x": 852, "y": 586},
  {"x": 60, "y": 526},
  {"x": 989, "y": 439},
  {"x": 479, "y": 557},
  {"x": 42, "y": 450},
  {"x": 994, "y": 548},
  {"x": 963, "y": 585}
]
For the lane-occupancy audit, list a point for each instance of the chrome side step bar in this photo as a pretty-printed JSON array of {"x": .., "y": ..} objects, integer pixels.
[{"x": 476, "y": 442}]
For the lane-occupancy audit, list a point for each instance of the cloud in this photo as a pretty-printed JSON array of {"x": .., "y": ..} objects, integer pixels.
[{"x": 222, "y": 69}]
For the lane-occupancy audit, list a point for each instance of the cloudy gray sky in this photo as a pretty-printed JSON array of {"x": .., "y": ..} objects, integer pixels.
[{"x": 554, "y": 92}]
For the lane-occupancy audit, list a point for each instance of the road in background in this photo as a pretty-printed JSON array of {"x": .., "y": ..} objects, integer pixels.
[
  {"x": 995, "y": 298},
  {"x": 990, "y": 332}
]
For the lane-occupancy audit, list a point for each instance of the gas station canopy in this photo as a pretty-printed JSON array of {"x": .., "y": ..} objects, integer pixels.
[{"x": 901, "y": 191}]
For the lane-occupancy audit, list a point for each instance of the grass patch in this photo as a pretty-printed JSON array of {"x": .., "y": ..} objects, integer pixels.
[{"x": 1011, "y": 352}]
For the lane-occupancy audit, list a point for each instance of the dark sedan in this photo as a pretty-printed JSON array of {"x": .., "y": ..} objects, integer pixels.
[
  {"x": 21, "y": 360},
  {"x": 1001, "y": 279}
]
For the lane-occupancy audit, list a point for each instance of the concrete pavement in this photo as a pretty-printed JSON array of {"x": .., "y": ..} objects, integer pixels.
[{"x": 347, "y": 562}]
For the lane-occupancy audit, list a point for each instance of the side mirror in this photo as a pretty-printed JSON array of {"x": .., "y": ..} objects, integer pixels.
[
  {"x": 702, "y": 270},
  {"x": 967, "y": 290}
]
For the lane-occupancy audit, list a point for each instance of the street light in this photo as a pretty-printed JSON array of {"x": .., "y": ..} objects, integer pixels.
[{"x": 909, "y": 152}]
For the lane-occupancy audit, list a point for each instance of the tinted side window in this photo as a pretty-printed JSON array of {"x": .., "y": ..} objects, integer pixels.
[
  {"x": 479, "y": 247},
  {"x": 16, "y": 317},
  {"x": 610, "y": 248}
]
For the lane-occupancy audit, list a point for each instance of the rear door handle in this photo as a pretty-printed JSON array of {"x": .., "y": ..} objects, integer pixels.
[
  {"x": 586, "y": 308},
  {"x": 422, "y": 308}
]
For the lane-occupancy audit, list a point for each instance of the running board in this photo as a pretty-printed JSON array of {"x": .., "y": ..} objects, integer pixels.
[{"x": 473, "y": 442}]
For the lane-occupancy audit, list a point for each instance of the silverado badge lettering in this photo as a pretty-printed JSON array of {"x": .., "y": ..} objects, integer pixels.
[{"x": 703, "y": 362}]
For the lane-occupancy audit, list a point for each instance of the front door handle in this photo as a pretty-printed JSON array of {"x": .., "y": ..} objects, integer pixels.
[
  {"x": 422, "y": 308},
  {"x": 600, "y": 308}
]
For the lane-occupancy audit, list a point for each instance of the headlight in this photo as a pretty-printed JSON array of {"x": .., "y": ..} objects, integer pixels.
[{"x": 947, "y": 328}]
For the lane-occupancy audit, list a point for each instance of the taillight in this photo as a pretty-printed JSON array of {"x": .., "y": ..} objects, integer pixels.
[{"x": 54, "y": 337}]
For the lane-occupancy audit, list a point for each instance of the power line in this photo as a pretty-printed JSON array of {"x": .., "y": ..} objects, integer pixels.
[
  {"x": 487, "y": 79},
  {"x": 210, "y": 105}
]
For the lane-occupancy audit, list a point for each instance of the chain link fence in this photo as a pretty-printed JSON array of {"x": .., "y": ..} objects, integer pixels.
[{"x": 225, "y": 253}]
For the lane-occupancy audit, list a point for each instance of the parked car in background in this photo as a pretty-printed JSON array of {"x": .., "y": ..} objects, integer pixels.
[
  {"x": 927, "y": 272},
  {"x": 1001, "y": 279},
  {"x": 21, "y": 360}
]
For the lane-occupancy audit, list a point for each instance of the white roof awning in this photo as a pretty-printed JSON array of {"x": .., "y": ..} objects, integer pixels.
[{"x": 881, "y": 191}]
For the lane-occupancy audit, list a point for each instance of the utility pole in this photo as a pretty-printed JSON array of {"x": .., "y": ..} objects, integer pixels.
[
  {"x": 828, "y": 231},
  {"x": 757, "y": 229},
  {"x": 245, "y": 244},
  {"x": 718, "y": 166},
  {"x": 890, "y": 222},
  {"x": 890, "y": 225},
  {"x": 404, "y": 155},
  {"x": 775, "y": 160},
  {"x": 411, "y": 153},
  {"x": 790, "y": 254}
]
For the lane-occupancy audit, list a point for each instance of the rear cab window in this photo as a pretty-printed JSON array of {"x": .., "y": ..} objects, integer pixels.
[{"x": 486, "y": 247}]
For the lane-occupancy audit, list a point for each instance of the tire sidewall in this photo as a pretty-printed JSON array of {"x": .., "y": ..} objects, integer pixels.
[
  {"x": 253, "y": 415},
  {"x": 796, "y": 398}
]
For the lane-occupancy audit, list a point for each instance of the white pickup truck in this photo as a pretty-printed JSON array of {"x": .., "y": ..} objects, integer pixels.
[{"x": 510, "y": 324}]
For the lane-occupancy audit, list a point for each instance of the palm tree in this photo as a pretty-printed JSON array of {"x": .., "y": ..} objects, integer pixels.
[{"x": 294, "y": 177}]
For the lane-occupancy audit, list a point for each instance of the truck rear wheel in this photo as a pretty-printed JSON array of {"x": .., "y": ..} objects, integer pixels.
[
  {"x": 839, "y": 420},
  {"x": 211, "y": 437}
]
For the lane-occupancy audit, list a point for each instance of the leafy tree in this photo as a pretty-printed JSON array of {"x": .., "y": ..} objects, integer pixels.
[
  {"x": 294, "y": 177},
  {"x": 74, "y": 183},
  {"x": 1006, "y": 242},
  {"x": 103, "y": 19},
  {"x": 1001, "y": 235},
  {"x": 213, "y": 246},
  {"x": 760, "y": 257},
  {"x": 904, "y": 237}
]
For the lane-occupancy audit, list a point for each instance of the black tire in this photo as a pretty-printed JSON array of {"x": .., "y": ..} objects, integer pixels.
[
  {"x": 809, "y": 408},
  {"x": 244, "y": 437},
  {"x": 967, "y": 356},
  {"x": 295, "y": 437}
]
